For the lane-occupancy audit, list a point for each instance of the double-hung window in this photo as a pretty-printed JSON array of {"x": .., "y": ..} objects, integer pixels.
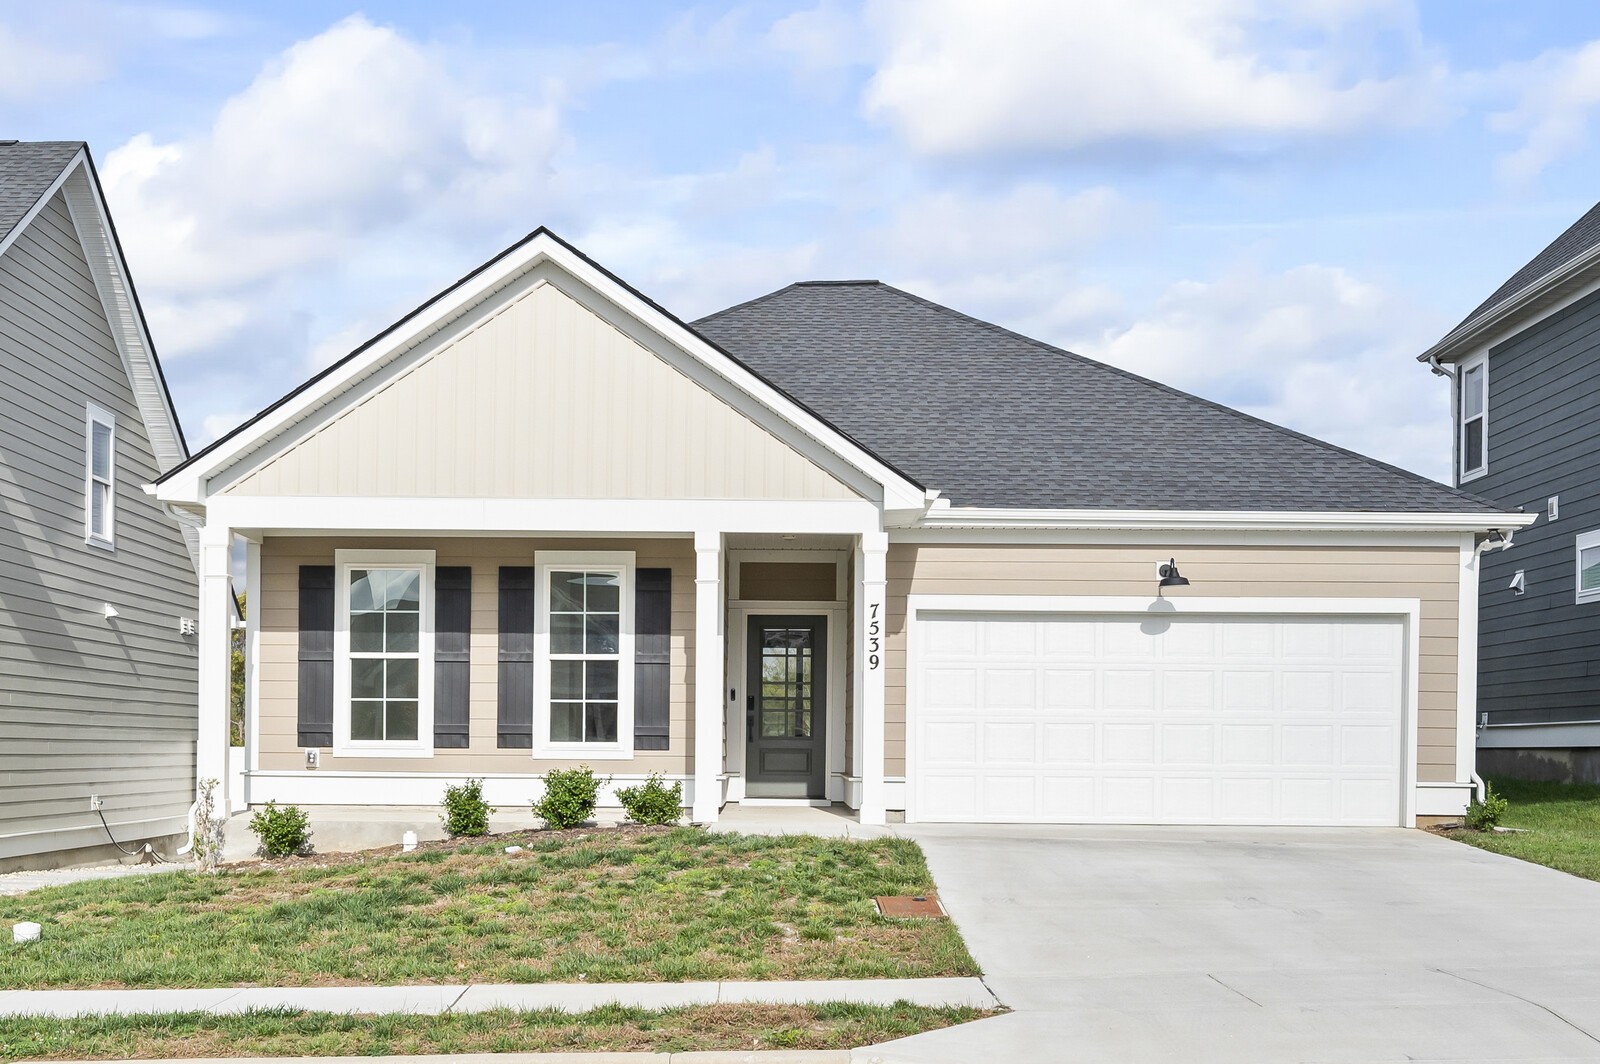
[
  {"x": 1589, "y": 567},
  {"x": 100, "y": 484},
  {"x": 583, "y": 678},
  {"x": 383, "y": 653},
  {"x": 1473, "y": 418}
]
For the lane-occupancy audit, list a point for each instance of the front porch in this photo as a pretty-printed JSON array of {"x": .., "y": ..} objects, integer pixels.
[{"x": 763, "y": 684}]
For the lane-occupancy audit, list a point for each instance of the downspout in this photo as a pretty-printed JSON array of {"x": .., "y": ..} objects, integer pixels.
[
  {"x": 1497, "y": 539},
  {"x": 1433, "y": 364}
]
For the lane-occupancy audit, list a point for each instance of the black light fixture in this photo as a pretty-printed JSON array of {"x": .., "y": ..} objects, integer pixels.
[{"x": 1170, "y": 577}]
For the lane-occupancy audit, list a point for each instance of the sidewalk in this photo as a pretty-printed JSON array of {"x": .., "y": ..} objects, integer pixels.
[{"x": 434, "y": 1000}]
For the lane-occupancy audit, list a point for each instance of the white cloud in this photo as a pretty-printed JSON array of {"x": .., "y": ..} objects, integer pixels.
[
  {"x": 1028, "y": 222},
  {"x": 1556, "y": 95},
  {"x": 1312, "y": 348},
  {"x": 1041, "y": 75}
]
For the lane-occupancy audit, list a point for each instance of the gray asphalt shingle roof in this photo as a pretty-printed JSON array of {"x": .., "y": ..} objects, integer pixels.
[
  {"x": 1581, "y": 237},
  {"x": 993, "y": 418},
  {"x": 27, "y": 170}
]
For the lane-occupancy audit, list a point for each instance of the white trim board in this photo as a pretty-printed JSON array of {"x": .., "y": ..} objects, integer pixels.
[
  {"x": 949, "y": 517},
  {"x": 1409, "y": 611}
]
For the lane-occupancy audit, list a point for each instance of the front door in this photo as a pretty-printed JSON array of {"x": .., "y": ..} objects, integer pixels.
[{"x": 785, "y": 707}]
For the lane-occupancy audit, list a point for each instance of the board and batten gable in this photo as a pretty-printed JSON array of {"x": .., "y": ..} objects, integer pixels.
[
  {"x": 1430, "y": 575},
  {"x": 539, "y": 398},
  {"x": 1537, "y": 651},
  {"x": 87, "y": 705}
]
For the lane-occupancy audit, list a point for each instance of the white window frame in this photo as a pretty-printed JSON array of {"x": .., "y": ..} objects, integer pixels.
[
  {"x": 1479, "y": 361},
  {"x": 545, "y": 562},
  {"x": 94, "y": 415},
  {"x": 344, "y": 746},
  {"x": 1585, "y": 541}
]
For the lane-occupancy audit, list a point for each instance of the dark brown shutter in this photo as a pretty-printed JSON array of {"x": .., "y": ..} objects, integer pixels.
[
  {"x": 652, "y": 658},
  {"x": 315, "y": 695},
  {"x": 516, "y": 657},
  {"x": 452, "y": 643}
]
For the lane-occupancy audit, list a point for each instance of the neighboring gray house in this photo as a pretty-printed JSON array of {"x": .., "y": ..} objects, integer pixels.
[
  {"x": 97, "y": 584},
  {"x": 1525, "y": 372}
]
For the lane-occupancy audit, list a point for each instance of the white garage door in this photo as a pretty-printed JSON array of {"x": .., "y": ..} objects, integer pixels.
[{"x": 1183, "y": 720}]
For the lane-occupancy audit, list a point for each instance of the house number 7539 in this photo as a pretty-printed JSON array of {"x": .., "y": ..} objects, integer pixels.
[{"x": 874, "y": 633}]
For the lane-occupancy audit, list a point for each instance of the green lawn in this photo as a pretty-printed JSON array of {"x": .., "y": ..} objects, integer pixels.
[
  {"x": 290, "y": 1033},
  {"x": 1562, "y": 822},
  {"x": 597, "y": 905}
]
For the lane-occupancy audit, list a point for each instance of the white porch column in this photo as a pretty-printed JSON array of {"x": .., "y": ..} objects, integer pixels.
[
  {"x": 252, "y": 665},
  {"x": 709, "y": 682},
  {"x": 871, "y": 625},
  {"x": 212, "y": 646}
]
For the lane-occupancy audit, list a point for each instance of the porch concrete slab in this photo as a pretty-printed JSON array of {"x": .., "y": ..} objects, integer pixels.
[
  {"x": 1247, "y": 945},
  {"x": 580, "y": 997},
  {"x": 420, "y": 1000},
  {"x": 835, "y": 822},
  {"x": 65, "y": 1003},
  {"x": 931, "y": 992}
]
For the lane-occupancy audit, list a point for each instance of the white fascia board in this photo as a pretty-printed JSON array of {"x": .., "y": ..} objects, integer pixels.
[
  {"x": 380, "y": 516},
  {"x": 1227, "y": 520},
  {"x": 1549, "y": 295},
  {"x": 191, "y": 487}
]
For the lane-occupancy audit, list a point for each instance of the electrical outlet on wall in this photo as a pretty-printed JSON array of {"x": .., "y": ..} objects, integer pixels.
[
  {"x": 95, "y": 803},
  {"x": 312, "y": 757}
]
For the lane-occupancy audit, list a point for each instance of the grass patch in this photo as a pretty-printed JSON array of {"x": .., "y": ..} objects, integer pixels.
[
  {"x": 619, "y": 905},
  {"x": 292, "y": 1033},
  {"x": 1562, "y": 822}
]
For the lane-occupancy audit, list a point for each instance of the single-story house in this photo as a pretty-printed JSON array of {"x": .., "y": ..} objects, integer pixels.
[{"x": 836, "y": 544}]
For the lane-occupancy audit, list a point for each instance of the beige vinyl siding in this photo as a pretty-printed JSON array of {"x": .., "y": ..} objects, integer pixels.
[
  {"x": 281, "y": 558},
  {"x": 87, "y": 706},
  {"x": 543, "y": 399},
  {"x": 1429, "y": 574}
]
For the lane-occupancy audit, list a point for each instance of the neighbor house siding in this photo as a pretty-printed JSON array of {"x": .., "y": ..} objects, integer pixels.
[
  {"x": 1430, "y": 575},
  {"x": 87, "y": 705},
  {"x": 541, "y": 399},
  {"x": 1539, "y": 652},
  {"x": 281, "y": 558}
]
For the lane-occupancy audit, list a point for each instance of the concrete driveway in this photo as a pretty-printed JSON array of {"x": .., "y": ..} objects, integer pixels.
[{"x": 1240, "y": 945}]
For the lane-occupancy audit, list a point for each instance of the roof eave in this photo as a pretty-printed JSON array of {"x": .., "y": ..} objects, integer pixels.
[
  {"x": 1573, "y": 274},
  {"x": 1225, "y": 520}
]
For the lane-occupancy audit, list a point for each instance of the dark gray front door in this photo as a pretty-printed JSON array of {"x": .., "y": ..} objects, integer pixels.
[{"x": 785, "y": 707}]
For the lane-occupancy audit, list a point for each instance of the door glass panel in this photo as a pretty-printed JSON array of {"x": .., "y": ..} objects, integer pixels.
[{"x": 784, "y": 709}]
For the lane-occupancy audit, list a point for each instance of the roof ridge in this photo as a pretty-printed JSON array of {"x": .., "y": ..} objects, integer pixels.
[
  {"x": 1180, "y": 393},
  {"x": 747, "y": 303}
]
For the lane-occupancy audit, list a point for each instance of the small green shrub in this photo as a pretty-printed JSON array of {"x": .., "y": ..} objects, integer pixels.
[
  {"x": 282, "y": 831},
  {"x": 569, "y": 796},
  {"x": 465, "y": 811},
  {"x": 1484, "y": 815},
  {"x": 653, "y": 802}
]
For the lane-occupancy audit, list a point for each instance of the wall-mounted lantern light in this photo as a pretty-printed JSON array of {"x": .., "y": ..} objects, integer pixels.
[{"x": 1170, "y": 577}]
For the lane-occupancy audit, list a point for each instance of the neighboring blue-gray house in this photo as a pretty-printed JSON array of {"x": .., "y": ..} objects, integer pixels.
[
  {"x": 1525, "y": 373},
  {"x": 97, "y": 583}
]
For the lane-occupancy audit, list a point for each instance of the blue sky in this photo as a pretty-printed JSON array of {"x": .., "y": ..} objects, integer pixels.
[{"x": 1273, "y": 205}]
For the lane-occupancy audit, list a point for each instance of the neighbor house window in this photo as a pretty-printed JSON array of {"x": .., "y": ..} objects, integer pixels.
[
  {"x": 1589, "y": 567},
  {"x": 583, "y": 682},
  {"x": 1474, "y": 418},
  {"x": 383, "y": 646},
  {"x": 100, "y": 487}
]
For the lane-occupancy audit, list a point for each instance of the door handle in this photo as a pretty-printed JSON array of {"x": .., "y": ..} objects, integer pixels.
[{"x": 750, "y": 719}]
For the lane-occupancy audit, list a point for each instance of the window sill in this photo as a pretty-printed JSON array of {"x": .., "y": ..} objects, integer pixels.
[
  {"x": 1476, "y": 474},
  {"x": 581, "y": 752},
  {"x": 385, "y": 750},
  {"x": 101, "y": 543}
]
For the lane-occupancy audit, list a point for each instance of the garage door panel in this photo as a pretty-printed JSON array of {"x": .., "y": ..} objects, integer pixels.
[{"x": 1196, "y": 720}]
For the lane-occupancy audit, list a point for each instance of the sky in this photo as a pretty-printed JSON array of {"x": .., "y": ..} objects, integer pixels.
[{"x": 1276, "y": 206}]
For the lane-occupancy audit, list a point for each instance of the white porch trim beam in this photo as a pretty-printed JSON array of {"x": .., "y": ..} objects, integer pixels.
[
  {"x": 298, "y": 514},
  {"x": 709, "y": 714}
]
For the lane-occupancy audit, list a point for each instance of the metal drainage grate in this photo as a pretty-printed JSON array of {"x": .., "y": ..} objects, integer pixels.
[{"x": 910, "y": 907}]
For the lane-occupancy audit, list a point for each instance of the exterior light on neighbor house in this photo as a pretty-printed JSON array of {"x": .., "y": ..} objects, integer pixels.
[{"x": 1170, "y": 577}]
